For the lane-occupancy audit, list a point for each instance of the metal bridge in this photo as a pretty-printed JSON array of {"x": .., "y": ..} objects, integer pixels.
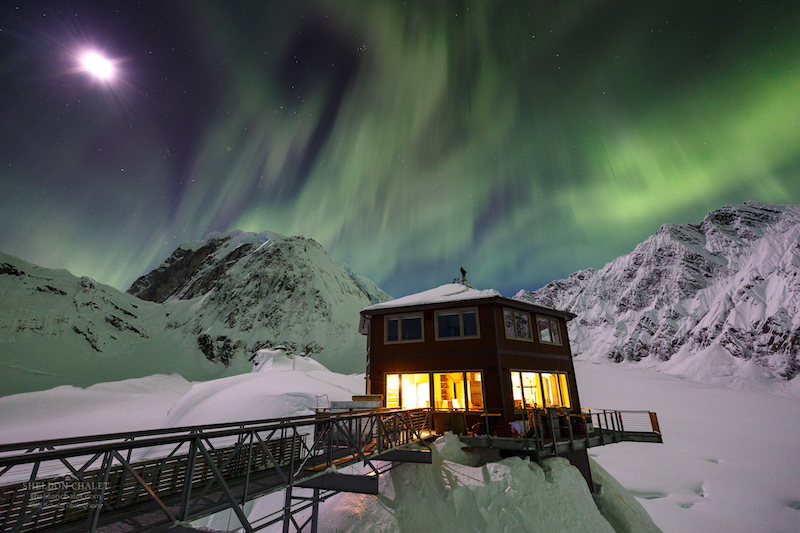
[{"x": 151, "y": 480}]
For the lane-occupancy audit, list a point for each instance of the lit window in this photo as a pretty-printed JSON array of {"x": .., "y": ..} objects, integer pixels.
[
  {"x": 409, "y": 391},
  {"x": 475, "y": 391},
  {"x": 536, "y": 390},
  {"x": 556, "y": 393},
  {"x": 459, "y": 391},
  {"x": 457, "y": 324},
  {"x": 549, "y": 332},
  {"x": 404, "y": 328},
  {"x": 517, "y": 324}
]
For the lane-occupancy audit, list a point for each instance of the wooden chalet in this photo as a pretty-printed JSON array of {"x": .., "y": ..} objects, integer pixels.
[
  {"x": 460, "y": 349},
  {"x": 494, "y": 370}
]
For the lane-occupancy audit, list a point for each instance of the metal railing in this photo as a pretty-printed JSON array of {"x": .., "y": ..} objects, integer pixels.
[
  {"x": 150, "y": 480},
  {"x": 554, "y": 431}
]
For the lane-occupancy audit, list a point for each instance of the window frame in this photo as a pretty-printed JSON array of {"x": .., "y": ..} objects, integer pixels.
[
  {"x": 460, "y": 311},
  {"x": 432, "y": 398},
  {"x": 400, "y": 317},
  {"x": 505, "y": 329},
  {"x": 551, "y": 322},
  {"x": 562, "y": 382}
]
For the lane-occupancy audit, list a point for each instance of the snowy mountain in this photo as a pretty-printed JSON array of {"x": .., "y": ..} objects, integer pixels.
[
  {"x": 59, "y": 329},
  {"x": 261, "y": 290},
  {"x": 717, "y": 301},
  {"x": 213, "y": 305}
]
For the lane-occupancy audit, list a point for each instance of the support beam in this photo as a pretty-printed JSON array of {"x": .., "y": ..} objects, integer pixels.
[
  {"x": 405, "y": 456},
  {"x": 343, "y": 482}
]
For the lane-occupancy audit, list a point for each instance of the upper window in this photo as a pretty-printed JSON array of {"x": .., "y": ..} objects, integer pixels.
[
  {"x": 457, "y": 324},
  {"x": 404, "y": 328},
  {"x": 518, "y": 324},
  {"x": 549, "y": 332}
]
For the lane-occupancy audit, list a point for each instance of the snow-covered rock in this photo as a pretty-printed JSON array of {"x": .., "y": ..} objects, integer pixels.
[
  {"x": 701, "y": 300},
  {"x": 251, "y": 291}
]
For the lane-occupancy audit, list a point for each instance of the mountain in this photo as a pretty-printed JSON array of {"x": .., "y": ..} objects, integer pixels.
[
  {"x": 261, "y": 290},
  {"x": 717, "y": 301},
  {"x": 203, "y": 314},
  {"x": 58, "y": 329}
]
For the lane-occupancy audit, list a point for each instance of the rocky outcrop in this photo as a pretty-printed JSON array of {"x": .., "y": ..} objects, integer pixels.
[{"x": 729, "y": 285}]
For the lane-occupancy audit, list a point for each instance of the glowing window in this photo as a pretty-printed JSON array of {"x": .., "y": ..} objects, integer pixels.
[
  {"x": 536, "y": 390},
  {"x": 556, "y": 393},
  {"x": 475, "y": 391},
  {"x": 448, "y": 391},
  {"x": 409, "y": 391}
]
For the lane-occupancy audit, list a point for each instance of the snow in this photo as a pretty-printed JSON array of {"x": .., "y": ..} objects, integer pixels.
[
  {"x": 281, "y": 385},
  {"x": 452, "y": 292},
  {"x": 729, "y": 461}
]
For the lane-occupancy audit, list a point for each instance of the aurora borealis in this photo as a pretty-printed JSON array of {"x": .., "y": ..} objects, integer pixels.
[{"x": 520, "y": 140}]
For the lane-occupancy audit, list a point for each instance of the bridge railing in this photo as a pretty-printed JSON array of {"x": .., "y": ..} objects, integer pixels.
[{"x": 180, "y": 474}]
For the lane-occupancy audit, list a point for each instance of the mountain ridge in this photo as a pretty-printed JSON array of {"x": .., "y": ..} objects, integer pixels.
[
  {"x": 726, "y": 289},
  {"x": 224, "y": 299}
]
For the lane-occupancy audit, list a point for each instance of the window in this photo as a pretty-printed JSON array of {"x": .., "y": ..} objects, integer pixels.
[
  {"x": 549, "y": 332},
  {"x": 459, "y": 391},
  {"x": 457, "y": 324},
  {"x": 539, "y": 389},
  {"x": 409, "y": 391},
  {"x": 406, "y": 328},
  {"x": 517, "y": 324}
]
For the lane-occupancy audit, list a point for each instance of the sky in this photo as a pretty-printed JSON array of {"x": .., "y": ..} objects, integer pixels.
[{"x": 520, "y": 140}]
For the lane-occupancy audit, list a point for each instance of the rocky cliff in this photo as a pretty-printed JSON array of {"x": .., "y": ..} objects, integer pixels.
[{"x": 711, "y": 298}]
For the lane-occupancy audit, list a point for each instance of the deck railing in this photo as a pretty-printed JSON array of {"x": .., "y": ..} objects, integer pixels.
[{"x": 554, "y": 431}]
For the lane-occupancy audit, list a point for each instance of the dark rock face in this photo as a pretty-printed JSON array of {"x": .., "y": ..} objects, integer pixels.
[
  {"x": 728, "y": 285},
  {"x": 162, "y": 282}
]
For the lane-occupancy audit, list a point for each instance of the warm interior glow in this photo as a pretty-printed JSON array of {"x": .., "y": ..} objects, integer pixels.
[
  {"x": 530, "y": 393},
  {"x": 393, "y": 390},
  {"x": 415, "y": 391}
]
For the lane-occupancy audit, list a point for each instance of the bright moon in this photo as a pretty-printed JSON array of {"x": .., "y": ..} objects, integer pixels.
[{"x": 97, "y": 65}]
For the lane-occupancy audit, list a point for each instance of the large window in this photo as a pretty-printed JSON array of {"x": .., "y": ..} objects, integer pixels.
[
  {"x": 404, "y": 328},
  {"x": 408, "y": 391},
  {"x": 460, "y": 391},
  {"x": 517, "y": 324},
  {"x": 549, "y": 332},
  {"x": 457, "y": 324},
  {"x": 533, "y": 390}
]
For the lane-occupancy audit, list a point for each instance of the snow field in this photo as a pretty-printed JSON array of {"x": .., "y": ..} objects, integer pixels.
[{"x": 729, "y": 461}]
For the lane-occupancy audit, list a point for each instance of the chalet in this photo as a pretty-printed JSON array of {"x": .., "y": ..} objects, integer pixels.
[
  {"x": 459, "y": 349},
  {"x": 494, "y": 370}
]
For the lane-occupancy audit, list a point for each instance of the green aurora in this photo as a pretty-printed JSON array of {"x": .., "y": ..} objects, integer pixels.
[{"x": 521, "y": 140}]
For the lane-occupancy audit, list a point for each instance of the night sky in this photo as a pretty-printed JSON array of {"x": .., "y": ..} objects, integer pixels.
[{"x": 520, "y": 140}]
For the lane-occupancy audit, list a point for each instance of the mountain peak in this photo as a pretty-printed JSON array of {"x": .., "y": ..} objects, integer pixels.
[{"x": 729, "y": 285}]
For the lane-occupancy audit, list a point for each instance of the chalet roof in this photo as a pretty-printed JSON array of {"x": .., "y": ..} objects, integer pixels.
[{"x": 445, "y": 295}]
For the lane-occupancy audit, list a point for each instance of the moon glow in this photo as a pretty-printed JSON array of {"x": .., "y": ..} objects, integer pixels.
[{"x": 97, "y": 65}]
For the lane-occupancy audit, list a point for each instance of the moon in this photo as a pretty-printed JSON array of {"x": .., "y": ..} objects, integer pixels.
[{"x": 97, "y": 65}]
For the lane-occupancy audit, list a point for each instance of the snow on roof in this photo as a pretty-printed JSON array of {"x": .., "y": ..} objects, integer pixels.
[{"x": 452, "y": 292}]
